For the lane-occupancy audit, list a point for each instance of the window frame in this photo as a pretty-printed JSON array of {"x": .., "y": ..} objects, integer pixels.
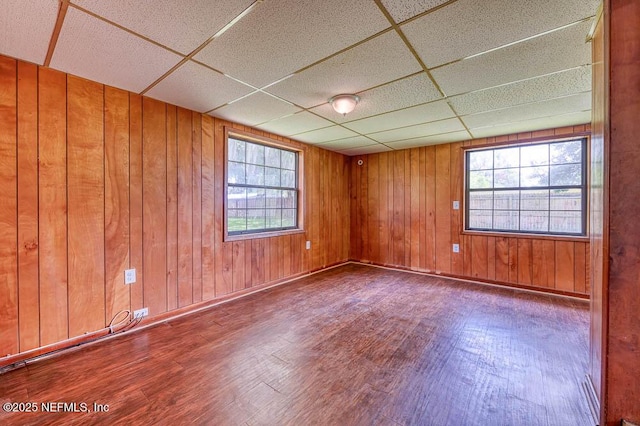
[
  {"x": 583, "y": 137},
  {"x": 265, "y": 141}
]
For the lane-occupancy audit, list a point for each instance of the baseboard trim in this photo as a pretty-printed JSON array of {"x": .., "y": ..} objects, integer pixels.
[
  {"x": 592, "y": 399},
  {"x": 499, "y": 284},
  {"x": 12, "y": 362}
]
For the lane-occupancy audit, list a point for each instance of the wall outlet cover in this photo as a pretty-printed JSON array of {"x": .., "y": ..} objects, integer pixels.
[{"x": 129, "y": 276}]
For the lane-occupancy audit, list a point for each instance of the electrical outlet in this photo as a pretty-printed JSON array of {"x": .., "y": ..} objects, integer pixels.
[
  {"x": 141, "y": 313},
  {"x": 308, "y": 245},
  {"x": 129, "y": 276},
  {"x": 456, "y": 205},
  {"x": 456, "y": 248}
]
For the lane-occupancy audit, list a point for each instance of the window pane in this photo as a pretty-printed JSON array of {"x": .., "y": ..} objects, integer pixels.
[
  {"x": 506, "y": 178},
  {"x": 569, "y": 174},
  {"x": 566, "y": 199},
  {"x": 255, "y": 175},
  {"x": 236, "y": 198},
  {"x": 256, "y": 198},
  {"x": 506, "y": 200},
  {"x": 566, "y": 222},
  {"x": 534, "y": 176},
  {"x": 271, "y": 176},
  {"x": 480, "y": 219},
  {"x": 289, "y": 199},
  {"x": 235, "y": 173},
  {"x": 236, "y": 150},
  {"x": 256, "y": 219},
  {"x": 505, "y": 220},
  {"x": 236, "y": 220},
  {"x": 534, "y": 155},
  {"x": 274, "y": 218},
  {"x": 534, "y": 200},
  {"x": 255, "y": 153},
  {"x": 481, "y": 200},
  {"x": 288, "y": 179},
  {"x": 537, "y": 221},
  {"x": 274, "y": 198},
  {"x": 506, "y": 158},
  {"x": 566, "y": 152},
  {"x": 288, "y": 160},
  {"x": 271, "y": 156},
  {"x": 481, "y": 179},
  {"x": 288, "y": 218},
  {"x": 480, "y": 160}
]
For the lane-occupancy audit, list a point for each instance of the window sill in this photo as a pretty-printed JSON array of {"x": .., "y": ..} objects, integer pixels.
[
  {"x": 259, "y": 235},
  {"x": 573, "y": 238}
]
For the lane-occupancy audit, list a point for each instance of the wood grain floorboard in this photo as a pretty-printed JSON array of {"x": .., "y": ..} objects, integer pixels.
[{"x": 354, "y": 345}]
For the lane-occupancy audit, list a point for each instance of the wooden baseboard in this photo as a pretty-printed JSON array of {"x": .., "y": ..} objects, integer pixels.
[
  {"x": 533, "y": 289},
  {"x": 592, "y": 399},
  {"x": 11, "y": 362}
]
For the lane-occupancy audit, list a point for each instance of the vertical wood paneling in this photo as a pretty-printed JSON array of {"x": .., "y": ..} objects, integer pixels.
[
  {"x": 136, "y": 291},
  {"x": 383, "y": 227},
  {"x": 457, "y": 259},
  {"x": 197, "y": 206},
  {"x": 172, "y": 208},
  {"x": 430, "y": 182},
  {"x": 397, "y": 206},
  {"x": 86, "y": 187},
  {"x": 154, "y": 197},
  {"x": 443, "y": 208},
  {"x": 27, "y": 175},
  {"x": 208, "y": 209},
  {"x": 185, "y": 208},
  {"x": 580, "y": 268},
  {"x": 502, "y": 259},
  {"x": 9, "y": 340},
  {"x": 543, "y": 263},
  {"x": 373, "y": 212},
  {"x": 479, "y": 254},
  {"x": 525, "y": 271},
  {"x": 414, "y": 191},
  {"x": 116, "y": 206},
  {"x": 565, "y": 258}
]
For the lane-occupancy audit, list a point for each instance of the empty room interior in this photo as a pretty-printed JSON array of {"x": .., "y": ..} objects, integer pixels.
[{"x": 292, "y": 212}]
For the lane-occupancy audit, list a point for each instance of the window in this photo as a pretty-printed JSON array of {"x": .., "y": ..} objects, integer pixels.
[
  {"x": 262, "y": 193},
  {"x": 536, "y": 188}
]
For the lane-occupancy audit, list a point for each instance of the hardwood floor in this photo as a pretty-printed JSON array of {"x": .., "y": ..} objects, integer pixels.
[{"x": 352, "y": 345}]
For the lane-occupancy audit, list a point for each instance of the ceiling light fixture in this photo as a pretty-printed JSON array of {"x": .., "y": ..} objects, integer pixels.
[{"x": 344, "y": 104}]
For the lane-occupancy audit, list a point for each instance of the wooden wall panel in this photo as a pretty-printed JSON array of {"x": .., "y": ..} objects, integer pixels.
[
  {"x": 116, "y": 205},
  {"x": 196, "y": 151},
  {"x": 208, "y": 209},
  {"x": 154, "y": 204},
  {"x": 136, "y": 291},
  {"x": 410, "y": 222},
  {"x": 86, "y": 189},
  {"x": 185, "y": 208},
  {"x": 52, "y": 209},
  {"x": 172, "y": 208},
  {"x": 9, "y": 340},
  {"x": 27, "y": 179}
]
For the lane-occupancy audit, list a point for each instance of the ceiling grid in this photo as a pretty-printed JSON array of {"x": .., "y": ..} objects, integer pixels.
[{"x": 427, "y": 71}]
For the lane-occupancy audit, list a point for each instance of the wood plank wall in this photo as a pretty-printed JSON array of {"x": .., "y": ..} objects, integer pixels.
[
  {"x": 95, "y": 180},
  {"x": 402, "y": 216}
]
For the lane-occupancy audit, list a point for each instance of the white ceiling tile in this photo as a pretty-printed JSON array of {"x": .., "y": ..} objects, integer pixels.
[
  {"x": 325, "y": 135},
  {"x": 180, "y": 25},
  {"x": 281, "y": 37},
  {"x": 550, "y": 107},
  {"x": 414, "y": 90},
  {"x": 468, "y": 27},
  {"x": 369, "y": 149},
  {"x": 348, "y": 143},
  {"x": 430, "y": 140},
  {"x": 550, "y": 86},
  {"x": 255, "y": 109},
  {"x": 26, "y": 28},
  {"x": 406, "y": 117},
  {"x": 198, "y": 88},
  {"x": 297, "y": 123},
  {"x": 570, "y": 119},
  {"x": 401, "y": 10},
  {"x": 428, "y": 129},
  {"x": 93, "y": 49},
  {"x": 379, "y": 60},
  {"x": 556, "y": 51}
]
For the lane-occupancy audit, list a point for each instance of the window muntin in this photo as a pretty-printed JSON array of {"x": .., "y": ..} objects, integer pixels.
[
  {"x": 534, "y": 188},
  {"x": 262, "y": 187}
]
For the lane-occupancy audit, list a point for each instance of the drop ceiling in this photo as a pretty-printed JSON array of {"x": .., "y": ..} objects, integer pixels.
[{"x": 427, "y": 71}]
